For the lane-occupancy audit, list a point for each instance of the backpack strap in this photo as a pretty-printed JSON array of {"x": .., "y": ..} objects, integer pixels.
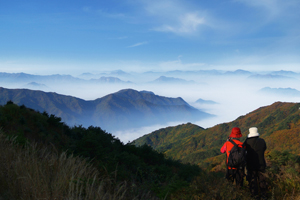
[
  {"x": 244, "y": 143},
  {"x": 233, "y": 142}
]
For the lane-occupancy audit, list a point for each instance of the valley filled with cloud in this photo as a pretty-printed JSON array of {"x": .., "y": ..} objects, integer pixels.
[{"x": 233, "y": 93}]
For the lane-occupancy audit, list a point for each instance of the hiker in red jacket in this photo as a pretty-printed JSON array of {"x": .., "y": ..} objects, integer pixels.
[{"x": 233, "y": 173}]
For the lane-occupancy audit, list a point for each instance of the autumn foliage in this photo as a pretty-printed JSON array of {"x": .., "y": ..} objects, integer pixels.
[{"x": 181, "y": 162}]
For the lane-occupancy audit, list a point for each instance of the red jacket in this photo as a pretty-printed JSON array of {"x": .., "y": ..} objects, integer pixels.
[{"x": 227, "y": 147}]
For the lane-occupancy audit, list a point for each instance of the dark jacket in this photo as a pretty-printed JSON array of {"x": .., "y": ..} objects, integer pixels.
[{"x": 256, "y": 148}]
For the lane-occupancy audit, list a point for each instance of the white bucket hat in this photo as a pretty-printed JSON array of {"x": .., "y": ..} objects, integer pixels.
[{"x": 253, "y": 132}]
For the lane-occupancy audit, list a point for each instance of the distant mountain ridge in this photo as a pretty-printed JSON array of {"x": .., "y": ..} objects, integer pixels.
[
  {"x": 23, "y": 77},
  {"x": 55, "y": 78},
  {"x": 285, "y": 73},
  {"x": 270, "y": 77},
  {"x": 280, "y": 91},
  {"x": 167, "y": 77},
  {"x": 105, "y": 79},
  {"x": 117, "y": 111}
]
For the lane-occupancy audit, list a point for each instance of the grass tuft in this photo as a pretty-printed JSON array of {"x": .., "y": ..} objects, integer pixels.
[{"x": 32, "y": 172}]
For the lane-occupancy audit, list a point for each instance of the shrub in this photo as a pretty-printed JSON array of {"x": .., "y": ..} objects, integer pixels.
[{"x": 38, "y": 173}]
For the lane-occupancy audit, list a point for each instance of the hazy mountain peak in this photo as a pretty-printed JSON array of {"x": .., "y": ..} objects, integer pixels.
[
  {"x": 119, "y": 72},
  {"x": 202, "y": 101},
  {"x": 238, "y": 72},
  {"x": 165, "y": 79},
  {"x": 150, "y": 97},
  {"x": 36, "y": 85}
]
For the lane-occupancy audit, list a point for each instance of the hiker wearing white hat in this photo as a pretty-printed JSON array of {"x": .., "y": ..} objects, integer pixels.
[
  {"x": 253, "y": 132},
  {"x": 256, "y": 164}
]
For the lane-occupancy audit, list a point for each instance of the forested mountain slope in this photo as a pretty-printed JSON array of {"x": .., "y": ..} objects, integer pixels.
[
  {"x": 121, "y": 110},
  {"x": 278, "y": 124},
  {"x": 119, "y": 162}
]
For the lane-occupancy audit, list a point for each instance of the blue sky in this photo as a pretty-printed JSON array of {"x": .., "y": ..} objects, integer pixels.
[{"x": 75, "y": 36}]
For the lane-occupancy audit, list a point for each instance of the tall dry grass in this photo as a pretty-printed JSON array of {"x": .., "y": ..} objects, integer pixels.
[
  {"x": 31, "y": 172},
  {"x": 284, "y": 185}
]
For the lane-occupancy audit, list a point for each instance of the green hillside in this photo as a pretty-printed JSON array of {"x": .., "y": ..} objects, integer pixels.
[
  {"x": 169, "y": 138},
  {"x": 278, "y": 124},
  {"x": 120, "y": 162},
  {"x": 43, "y": 158}
]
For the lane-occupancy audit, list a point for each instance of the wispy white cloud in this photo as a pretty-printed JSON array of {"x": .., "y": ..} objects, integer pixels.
[
  {"x": 281, "y": 15},
  {"x": 272, "y": 8},
  {"x": 186, "y": 24},
  {"x": 137, "y": 44},
  {"x": 175, "y": 16}
]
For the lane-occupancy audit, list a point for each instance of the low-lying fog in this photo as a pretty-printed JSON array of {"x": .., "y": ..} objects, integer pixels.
[{"x": 235, "y": 95}]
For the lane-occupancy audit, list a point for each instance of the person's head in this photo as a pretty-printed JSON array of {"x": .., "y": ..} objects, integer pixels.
[
  {"x": 253, "y": 132},
  {"x": 235, "y": 133}
]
